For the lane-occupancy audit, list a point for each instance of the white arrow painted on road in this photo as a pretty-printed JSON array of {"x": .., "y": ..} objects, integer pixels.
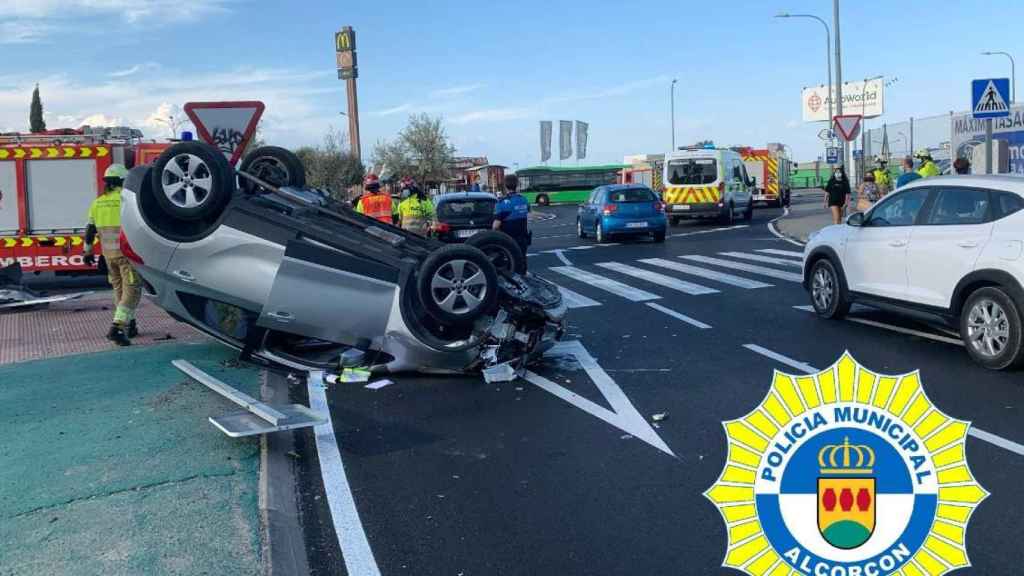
[{"x": 623, "y": 414}]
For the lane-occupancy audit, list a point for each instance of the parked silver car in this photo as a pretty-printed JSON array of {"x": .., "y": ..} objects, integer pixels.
[{"x": 288, "y": 275}]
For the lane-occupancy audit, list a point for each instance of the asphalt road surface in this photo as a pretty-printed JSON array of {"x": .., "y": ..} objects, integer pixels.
[{"x": 568, "y": 474}]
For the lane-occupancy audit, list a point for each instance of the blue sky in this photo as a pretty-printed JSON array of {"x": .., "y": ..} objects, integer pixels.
[{"x": 493, "y": 70}]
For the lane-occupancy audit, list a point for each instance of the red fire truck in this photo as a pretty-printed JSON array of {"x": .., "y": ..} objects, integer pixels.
[
  {"x": 47, "y": 182},
  {"x": 772, "y": 169}
]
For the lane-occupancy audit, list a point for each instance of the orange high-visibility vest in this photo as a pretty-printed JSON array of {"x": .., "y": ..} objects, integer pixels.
[{"x": 376, "y": 206}]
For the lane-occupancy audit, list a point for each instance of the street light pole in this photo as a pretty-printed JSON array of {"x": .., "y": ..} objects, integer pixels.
[
  {"x": 672, "y": 92},
  {"x": 828, "y": 54},
  {"x": 1013, "y": 73},
  {"x": 839, "y": 75}
]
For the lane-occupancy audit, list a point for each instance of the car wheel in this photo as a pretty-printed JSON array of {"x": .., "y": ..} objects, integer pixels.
[
  {"x": 599, "y": 233},
  {"x": 729, "y": 216},
  {"x": 543, "y": 200},
  {"x": 458, "y": 284},
  {"x": 674, "y": 221},
  {"x": 749, "y": 214},
  {"x": 192, "y": 181},
  {"x": 828, "y": 295},
  {"x": 990, "y": 326},
  {"x": 500, "y": 249},
  {"x": 579, "y": 229},
  {"x": 659, "y": 237},
  {"x": 275, "y": 166}
]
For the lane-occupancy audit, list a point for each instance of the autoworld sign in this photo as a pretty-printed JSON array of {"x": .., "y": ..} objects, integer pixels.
[{"x": 865, "y": 99}]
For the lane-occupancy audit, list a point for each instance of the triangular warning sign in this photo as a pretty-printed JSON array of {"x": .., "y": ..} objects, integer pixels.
[
  {"x": 227, "y": 125},
  {"x": 991, "y": 100},
  {"x": 848, "y": 126}
]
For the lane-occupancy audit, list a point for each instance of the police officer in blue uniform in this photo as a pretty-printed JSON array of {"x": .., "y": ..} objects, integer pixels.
[{"x": 511, "y": 213}]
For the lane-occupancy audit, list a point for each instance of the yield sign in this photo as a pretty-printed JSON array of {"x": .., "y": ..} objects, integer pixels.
[
  {"x": 227, "y": 125},
  {"x": 848, "y": 126}
]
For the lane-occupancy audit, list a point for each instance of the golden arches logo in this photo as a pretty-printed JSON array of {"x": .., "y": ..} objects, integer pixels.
[{"x": 344, "y": 40}]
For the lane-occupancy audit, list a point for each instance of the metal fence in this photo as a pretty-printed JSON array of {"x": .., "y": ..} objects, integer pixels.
[{"x": 894, "y": 141}]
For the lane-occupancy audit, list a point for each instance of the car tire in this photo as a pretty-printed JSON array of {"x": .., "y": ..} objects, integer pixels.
[
  {"x": 599, "y": 233},
  {"x": 579, "y": 229},
  {"x": 457, "y": 284},
  {"x": 749, "y": 214},
  {"x": 659, "y": 237},
  {"x": 828, "y": 292},
  {"x": 274, "y": 165},
  {"x": 503, "y": 252},
  {"x": 674, "y": 221},
  {"x": 543, "y": 200},
  {"x": 729, "y": 216},
  {"x": 990, "y": 327},
  {"x": 192, "y": 181}
]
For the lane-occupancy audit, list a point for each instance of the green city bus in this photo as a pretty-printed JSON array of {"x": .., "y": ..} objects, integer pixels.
[{"x": 546, "y": 185}]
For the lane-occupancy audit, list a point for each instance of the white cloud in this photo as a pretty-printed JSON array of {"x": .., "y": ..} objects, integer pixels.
[
  {"x": 131, "y": 71},
  {"x": 24, "y": 32},
  {"x": 455, "y": 91},
  {"x": 492, "y": 115},
  {"x": 129, "y": 10}
]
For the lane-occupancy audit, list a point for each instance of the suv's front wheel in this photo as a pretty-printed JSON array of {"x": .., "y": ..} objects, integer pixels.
[
  {"x": 990, "y": 326},
  {"x": 828, "y": 295}
]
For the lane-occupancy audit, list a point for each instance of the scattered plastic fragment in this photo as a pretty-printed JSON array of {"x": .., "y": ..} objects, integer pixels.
[
  {"x": 499, "y": 373},
  {"x": 378, "y": 384},
  {"x": 659, "y": 417}
]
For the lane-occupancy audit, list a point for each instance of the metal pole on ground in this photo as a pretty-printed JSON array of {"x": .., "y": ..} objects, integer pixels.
[
  {"x": 988, "y": 146},
  {"x": 673, "y": 98},
  {"x": 828, "y": 57},
  {"x": 839, "y": 76},
  {"x": 1013, "y": 73}
]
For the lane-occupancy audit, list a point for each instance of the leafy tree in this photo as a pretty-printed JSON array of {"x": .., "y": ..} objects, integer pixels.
[
  {"x": 35, "y": 115},
  {"x": 422, "y": 150},
  {"x": 331, "y": 165}
]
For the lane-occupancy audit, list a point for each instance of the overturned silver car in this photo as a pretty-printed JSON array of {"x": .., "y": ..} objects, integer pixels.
[{"x": 288, "y": 275}]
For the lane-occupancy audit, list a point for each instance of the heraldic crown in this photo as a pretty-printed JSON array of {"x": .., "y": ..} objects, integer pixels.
[{"x": 846, "y": 458}]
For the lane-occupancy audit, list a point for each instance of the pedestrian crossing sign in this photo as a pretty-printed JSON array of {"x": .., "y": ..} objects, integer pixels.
[{"x": 990, "y": 98}]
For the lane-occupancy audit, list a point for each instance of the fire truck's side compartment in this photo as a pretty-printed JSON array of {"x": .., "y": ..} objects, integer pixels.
[
  {"x": 59, "y": 194},
  {"x": 9, "y": 199}
]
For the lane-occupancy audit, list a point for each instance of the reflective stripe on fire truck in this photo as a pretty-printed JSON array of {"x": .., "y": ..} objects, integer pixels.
[
  {"x": 25, "y": 241},
  {"x": 691, "y": 194},
  {"x": 771, "y": 164},
  {"x": 53, "y": 152}
]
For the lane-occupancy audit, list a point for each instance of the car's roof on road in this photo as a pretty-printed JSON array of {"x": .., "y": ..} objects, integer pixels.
[{"x": 1007, "y": 182}]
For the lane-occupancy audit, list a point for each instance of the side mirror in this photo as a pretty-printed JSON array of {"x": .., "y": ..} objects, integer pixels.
[
  {"x": 856, "y": 220},
  {"x": 753, "y": 181}
]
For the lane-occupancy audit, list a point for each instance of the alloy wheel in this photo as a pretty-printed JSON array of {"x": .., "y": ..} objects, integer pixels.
[
  {"x": 988, "y": 328},
  {"x": 187, "y": 181},
  {"x": 458, "y": 287},
  {"x": 823, "y": 289}
]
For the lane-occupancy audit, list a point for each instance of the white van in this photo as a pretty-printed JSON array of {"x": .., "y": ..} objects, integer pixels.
[{"x": 705, "y": 182}]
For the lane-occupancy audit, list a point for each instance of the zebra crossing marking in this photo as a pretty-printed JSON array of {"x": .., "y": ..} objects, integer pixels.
[
  {"x": 574, "y": 299},
  {"x": 778, "y": 252},
  {"x": 659, "y": 279},
  {"x": 762, "y": 270},
  {"x": 607, "y": 284},
  {"x": 715, "y": 275},
  {"x": 765, "y": 259},
  {"x": 678, "y": 316}
]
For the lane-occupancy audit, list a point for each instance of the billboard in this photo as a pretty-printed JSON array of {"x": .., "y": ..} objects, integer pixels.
[
  {"x": 969, "y": 132},
  {"x": 859, "y": 97}
]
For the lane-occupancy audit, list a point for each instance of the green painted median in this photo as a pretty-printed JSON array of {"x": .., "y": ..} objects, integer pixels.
[{"x": 109, "y": 466}]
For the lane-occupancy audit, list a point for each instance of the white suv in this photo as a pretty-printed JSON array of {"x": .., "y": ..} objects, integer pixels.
[{"x": 947, "y": 247}]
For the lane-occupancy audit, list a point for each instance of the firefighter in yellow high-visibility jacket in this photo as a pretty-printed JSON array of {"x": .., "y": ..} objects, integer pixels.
[{"x": 105, "y": 220}]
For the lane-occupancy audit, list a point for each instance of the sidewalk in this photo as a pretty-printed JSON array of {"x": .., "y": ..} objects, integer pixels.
[
  {"x": 807, "y": 214},
  {"x": 109, "y": 466}
]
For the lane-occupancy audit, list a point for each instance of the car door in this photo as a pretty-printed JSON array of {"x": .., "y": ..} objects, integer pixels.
[
  {"x": 593, "y": 209},
  {"x": 875, "y": 256},
  {"x": 947, "y": 244}
]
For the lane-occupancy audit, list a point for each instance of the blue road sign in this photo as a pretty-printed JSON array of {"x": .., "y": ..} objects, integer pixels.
[
  {"x": 832, "y": 155},
  {"x": 990, "y": 97},
  {"x": 858, "y": 154}
]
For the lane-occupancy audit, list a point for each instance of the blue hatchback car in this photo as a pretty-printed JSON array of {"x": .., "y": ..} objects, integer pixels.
[{"x": 622, "y": 210}]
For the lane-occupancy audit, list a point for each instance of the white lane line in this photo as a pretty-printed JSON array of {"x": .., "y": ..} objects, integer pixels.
[
  {"x": 892, "y": 328},
  {"x": 806, "y": 368},
  {"x": 765, "y": 259},
  {"x": 561, "y": 256},
  {"x": 711, "y": 231},
  {"x": 575, "y": 299},
  {"x": 659, "y": 279},
  {"x": 978, "y": 433},
  {"x": 623, "y": 414},
  {"x": 607, "y": 284},
  {"x": 996, "y": 440},
  {"x": 678, "y": 316},
  {"x": 770, "y": 272},
  {"x": 789, "y": 253},
  {"x": 780, "y": 235},
  {"x": 715, "y": 275},
  {"x": 355, "y": 548},
  {"x": 584, "y": 247}
]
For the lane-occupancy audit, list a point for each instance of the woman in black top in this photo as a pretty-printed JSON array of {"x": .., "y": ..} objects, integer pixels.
[{"x": 837, "y": 194}]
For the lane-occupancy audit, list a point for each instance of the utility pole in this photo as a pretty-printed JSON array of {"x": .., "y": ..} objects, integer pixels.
[
  {"x": 839, "y": 78},
  {"x": 673, "y": 97}
]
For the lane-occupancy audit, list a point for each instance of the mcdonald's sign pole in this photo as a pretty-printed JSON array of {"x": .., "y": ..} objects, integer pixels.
[{"x": 348, "y": 70}]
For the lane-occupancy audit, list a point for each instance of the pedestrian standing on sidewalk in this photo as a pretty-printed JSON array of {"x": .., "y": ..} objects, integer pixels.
[
  {"x": 105, "y": 220},
  {"x": 837, "y": 194},
  {"x": 868, "y": 193},
  {"x": 909, "y": 174}
]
